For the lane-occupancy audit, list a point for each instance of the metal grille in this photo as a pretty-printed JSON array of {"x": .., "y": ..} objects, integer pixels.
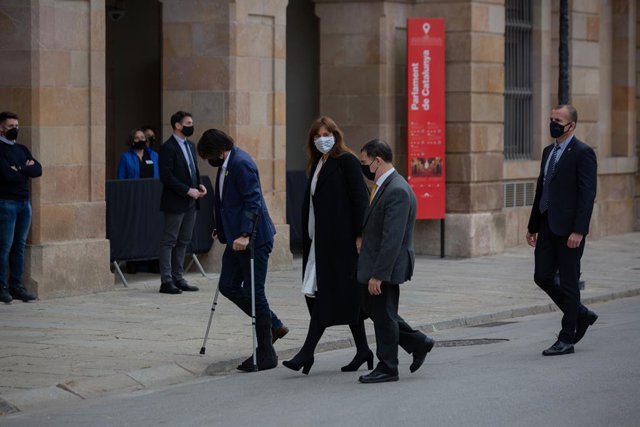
[
  {"x": 518, "y": 194},
  {"x": 518, "y": 91}
]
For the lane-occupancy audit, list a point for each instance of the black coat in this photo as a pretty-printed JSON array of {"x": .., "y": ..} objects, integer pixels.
[
  {"x": 176, "y": 178},
  {"x": 340, "y": 200},
  {"x": 572, "y": 190}
]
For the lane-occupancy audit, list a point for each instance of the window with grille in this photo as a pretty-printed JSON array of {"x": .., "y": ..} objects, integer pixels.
[{"x": 518, "y": 97}]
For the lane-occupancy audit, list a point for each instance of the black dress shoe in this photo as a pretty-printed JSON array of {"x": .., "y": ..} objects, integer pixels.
[
  {"x": 185, "y": 287},
  {"x": 278, "y": 333},
  {"x": 169, "y": 288},
  {"x": 5, "y": 296},
  {"x": 558, "y": 348},
  {"x": 377, "y": 377},
  {"x": 21, "y": 293},
  {"x": 583, "y": 323},
  {"x": 421, "y": 354}
]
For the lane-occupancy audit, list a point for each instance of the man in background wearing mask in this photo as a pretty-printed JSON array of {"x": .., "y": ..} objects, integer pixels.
[
  {"x": 17, "y": 165},
  {"x": 559, "y": 223},
  {"x": 150, "y": 135},
  {"x": 181, "y": 190},
  {"x": 386, "y": 260}
]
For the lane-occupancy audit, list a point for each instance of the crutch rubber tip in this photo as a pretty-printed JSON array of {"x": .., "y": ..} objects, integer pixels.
[{"x": 202, "y": 350}]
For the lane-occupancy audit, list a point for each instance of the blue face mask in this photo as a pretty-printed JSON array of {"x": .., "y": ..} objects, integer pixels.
[{"x": 324, "y": 144}]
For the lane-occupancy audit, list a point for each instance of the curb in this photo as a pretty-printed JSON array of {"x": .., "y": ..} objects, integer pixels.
[{"x": 174, "y": 373}]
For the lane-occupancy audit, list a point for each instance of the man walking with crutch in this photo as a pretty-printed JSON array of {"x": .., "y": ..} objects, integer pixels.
[{"x": 239, "y": 206}]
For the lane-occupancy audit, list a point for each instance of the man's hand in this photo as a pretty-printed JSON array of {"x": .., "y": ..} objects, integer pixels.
[
  {"x": 375, "y": 286},
  {"x": 574, "y": 240},
  {"x": 358, "y": 244},
  {"x": 193, "y": 193},
  {"x": 214, "y": 234},
  {"x": 30, "y": 163},
  {"x": 532, "y": 238},
  {"x": 203, "y": 190},
  {"x": 14, "y": 168},
  {"x": 241, "y": 243}
]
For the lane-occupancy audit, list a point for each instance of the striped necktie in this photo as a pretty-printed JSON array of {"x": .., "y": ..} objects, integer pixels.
[{"x": 544, "y": 202}]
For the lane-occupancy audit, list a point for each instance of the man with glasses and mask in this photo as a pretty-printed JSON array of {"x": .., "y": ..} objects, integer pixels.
[
  {"x": 17, "y": 165},
  {"x": 386, "y": 260},
  {"x": 559, "y": 223},
  {"x": 181, "y": 190}
]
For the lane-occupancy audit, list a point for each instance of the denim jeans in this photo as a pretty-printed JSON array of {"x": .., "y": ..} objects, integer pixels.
[
  {"x": 15, "y": 220},
  {"x": 235, "y": 278}
]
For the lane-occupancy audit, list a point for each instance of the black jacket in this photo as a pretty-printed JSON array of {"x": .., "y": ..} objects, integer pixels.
[
  {"x": 572, "y": 190},
  {"x": 339, "y": 203},
  {"x": 176, "y": 178}
]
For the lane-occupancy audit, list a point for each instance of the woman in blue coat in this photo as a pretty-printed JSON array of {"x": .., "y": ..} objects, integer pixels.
[{"x": 140, "y": 161}]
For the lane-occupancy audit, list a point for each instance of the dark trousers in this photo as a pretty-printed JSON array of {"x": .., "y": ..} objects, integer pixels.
[
  {"x": 178, "y": 230},
  {"x": 552, "y": 255},
  {"x": 235, "y": 278},
  {"x": 391, "y": 330}
]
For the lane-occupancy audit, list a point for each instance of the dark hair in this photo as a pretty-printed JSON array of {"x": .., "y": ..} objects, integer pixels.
[
  {"x": 339, "y": 148},
  {"x": 214, "y": 142},
  {"x": 6, "y": 115},
  {"x": 177, "y": 118},
  {"x": 573, "y": 113},
  {"x": 148, "y": 127},
  {"x": 378, "y": 148},
  {"x": 132, "y": 135}
]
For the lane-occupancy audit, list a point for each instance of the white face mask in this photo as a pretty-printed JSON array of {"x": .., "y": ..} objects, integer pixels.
[{"x": 324, "y": 144}]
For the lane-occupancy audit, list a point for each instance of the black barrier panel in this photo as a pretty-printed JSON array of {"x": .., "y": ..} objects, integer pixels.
[{"x": 135, "y": 222}]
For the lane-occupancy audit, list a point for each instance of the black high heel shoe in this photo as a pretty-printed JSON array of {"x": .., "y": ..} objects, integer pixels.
[
  {"x": 358, "y": 360},
  {"x": 297, "y": 364}
]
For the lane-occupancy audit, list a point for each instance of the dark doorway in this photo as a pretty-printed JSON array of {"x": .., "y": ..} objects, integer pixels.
[
  {"x": 303, "y": 103},
  {"x": 133, "y": 73}
]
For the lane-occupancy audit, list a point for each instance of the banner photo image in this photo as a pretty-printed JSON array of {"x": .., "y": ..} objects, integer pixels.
[{"x": 426, "y": 115}]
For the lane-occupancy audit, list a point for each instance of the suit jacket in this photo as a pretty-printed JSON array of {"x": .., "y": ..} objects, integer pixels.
[
  {"x": 129, "y": 165},
  {"x": 241, "y": 201},
  {"x": 176, "y": 178},
  {"x": 387, "y": 233},
  {"x": 339, "y": 203},
  {"x": 572, "y": 190}
]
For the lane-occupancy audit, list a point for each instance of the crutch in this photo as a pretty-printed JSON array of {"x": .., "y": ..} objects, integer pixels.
[
  {"x": 253, "y": 290},
  {"x": 203, "y": 349}
]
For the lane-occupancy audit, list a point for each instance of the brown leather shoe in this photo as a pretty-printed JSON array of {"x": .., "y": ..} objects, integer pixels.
[{"x": 278, "y": 333}]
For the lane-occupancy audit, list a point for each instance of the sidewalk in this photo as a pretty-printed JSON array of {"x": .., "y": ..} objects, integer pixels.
[{"x": 135, "y": 338}]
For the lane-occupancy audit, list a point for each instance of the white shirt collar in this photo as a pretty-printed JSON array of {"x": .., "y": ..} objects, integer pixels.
[
  {"x": 384, "y": 176},
  {"x": 180, "y": 140}
]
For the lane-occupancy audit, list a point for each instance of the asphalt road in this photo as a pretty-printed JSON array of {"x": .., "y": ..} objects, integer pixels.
[{"x": 507, "y": 383}]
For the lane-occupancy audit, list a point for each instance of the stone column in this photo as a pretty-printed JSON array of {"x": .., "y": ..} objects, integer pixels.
[
  {"x": 637, "y": 152},
  {"x": 224, "y": 61},
  {"x": 56, "y": 83}
]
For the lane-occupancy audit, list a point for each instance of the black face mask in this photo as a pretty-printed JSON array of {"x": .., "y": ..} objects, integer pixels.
[
  {"x": 11, "y": 134},
  {"x": 556, "y": 129},
  {"x": 151, "y": 140},
  {"x": 187, "y": 130},
  {"x": 366, "y": 171},
  {"x": 140, "y": 145},
  {"x": 216, "y": 163}
]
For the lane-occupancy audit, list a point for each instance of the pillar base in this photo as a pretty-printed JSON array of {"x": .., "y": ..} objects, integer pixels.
[
  {"x": 466, "y": 235},
  {"x": 68, "y": 268}
]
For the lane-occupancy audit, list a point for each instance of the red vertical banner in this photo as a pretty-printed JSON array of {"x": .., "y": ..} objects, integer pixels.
[{"x": 425, "y": 115}]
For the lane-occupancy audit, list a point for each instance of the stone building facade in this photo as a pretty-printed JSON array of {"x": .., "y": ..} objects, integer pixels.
[{"x": 229, "y": 63}]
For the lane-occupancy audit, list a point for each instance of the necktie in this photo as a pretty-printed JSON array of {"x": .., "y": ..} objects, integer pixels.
[
  {"x": 544, "y": 202},
  {"x": 373, "y": 192},
  {"x": 192, "y": 167}
]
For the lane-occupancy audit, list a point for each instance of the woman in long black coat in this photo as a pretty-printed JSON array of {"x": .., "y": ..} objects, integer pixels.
[{"x": 332, "y": 215}]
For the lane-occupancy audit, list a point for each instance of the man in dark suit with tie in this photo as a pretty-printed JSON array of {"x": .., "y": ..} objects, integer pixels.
[
  {"x": 386, "y": 260},
  {"x": 181, "y": 190},
  {"x": 559, "y": 223},
  {"x": 239, "y": 206}
]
